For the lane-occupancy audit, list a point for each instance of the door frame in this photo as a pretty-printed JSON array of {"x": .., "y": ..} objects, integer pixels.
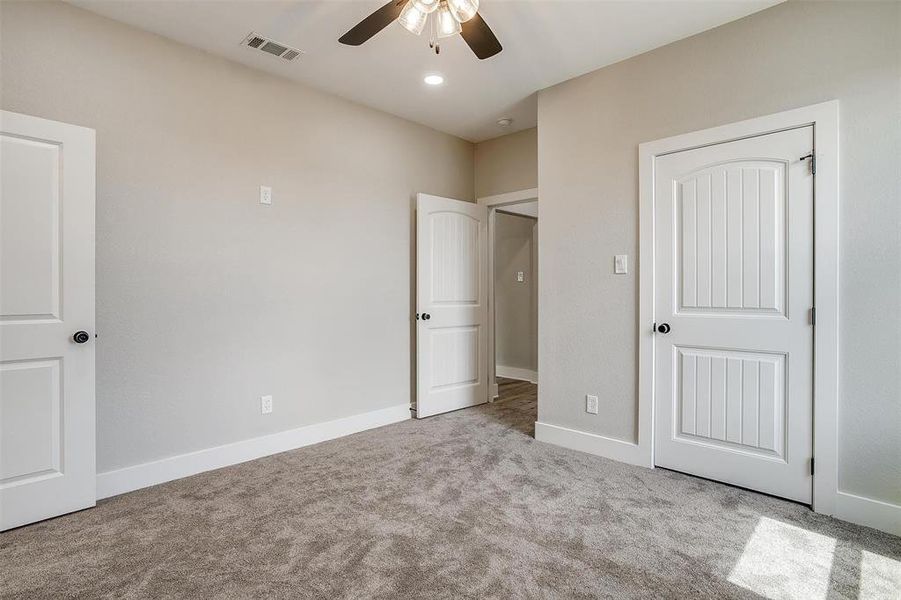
[
  {"x": 824, "y": 119},
  {"x": 493, "y": 203}
]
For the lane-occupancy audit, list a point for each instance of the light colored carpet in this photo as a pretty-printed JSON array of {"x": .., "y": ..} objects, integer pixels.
[{"x": 463, "y": 505}]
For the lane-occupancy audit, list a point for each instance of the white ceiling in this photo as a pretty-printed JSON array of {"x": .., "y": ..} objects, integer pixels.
[{"x": 545, "y": 42}]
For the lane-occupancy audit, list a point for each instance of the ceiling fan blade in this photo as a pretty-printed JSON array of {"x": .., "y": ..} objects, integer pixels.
[
  {"x": 373, "y": 24},
  {"x": 480, "y": 38}
]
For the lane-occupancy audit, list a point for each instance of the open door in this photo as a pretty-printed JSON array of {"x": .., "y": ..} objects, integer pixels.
[
  {"x": 452, "y": 305},
  {"x": 46, "y": 319}
]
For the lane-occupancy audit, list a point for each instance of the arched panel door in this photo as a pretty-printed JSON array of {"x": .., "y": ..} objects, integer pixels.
[
  {"x": 452, "y": 305},
  {"x": 734, "y": 291}
]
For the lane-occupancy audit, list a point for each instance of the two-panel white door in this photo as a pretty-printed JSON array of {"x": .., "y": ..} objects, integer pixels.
[
  {"x": 46, "y": 297},
  {"x": 452, "y": 305},
  {"x": 734, "y": 291}
]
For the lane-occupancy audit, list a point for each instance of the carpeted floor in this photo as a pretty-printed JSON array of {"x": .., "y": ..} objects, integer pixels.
[{"x": 463, "y": 505}]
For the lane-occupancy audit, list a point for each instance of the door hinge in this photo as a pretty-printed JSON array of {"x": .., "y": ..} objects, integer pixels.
[
  {"x": 812, "y": 462},
  {"x": 813, "y": 162},
  {"x": 813, "y": 315}
]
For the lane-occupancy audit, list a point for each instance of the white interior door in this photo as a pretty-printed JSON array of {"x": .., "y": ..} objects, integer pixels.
[
  {"x": 452, "y": 305},
  {"x": 46, "y": 296},
  {"x": 734, "y": 286}
]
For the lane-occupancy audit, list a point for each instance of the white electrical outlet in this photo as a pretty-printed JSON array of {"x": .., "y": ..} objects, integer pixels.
[
  {"x": 265, "y": 194},
  {"x": 591, "y": 404},
  {"x": 265, "y": 404}
]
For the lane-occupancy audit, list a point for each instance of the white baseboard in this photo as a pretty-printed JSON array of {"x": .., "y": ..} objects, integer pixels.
[
  {"x": 591, "y": 443},
  {"x": 113, "y": 483},
  {"x": 848, "y": 507},
  {"x": 517, "y": 373},
  {"x": 866, "y": 511}
]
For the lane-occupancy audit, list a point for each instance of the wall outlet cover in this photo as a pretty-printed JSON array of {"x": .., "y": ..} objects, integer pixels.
[
  {"x": 266, "y": 404},
  {"x": 591, "y": 404},
  {"x": 265, "y": 194},
  {"x": 621, "y": 264}
]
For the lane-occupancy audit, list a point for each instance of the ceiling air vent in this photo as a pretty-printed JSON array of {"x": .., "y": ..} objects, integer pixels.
[{"x": 258, "y": 42}]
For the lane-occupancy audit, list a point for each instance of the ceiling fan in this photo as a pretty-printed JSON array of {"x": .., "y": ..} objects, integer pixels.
[{"x": 443, "y": 17}]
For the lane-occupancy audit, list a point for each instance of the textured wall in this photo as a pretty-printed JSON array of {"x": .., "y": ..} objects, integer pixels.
[
  {"x": 516, "y": 310},
  {"x": 206, "y": 299},
  {"x": 792, "y": 55},
  {"x": 507, "y": 164}
]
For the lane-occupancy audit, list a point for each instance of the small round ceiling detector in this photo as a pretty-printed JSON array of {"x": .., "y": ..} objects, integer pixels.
[{"x": 505, "y": 122}]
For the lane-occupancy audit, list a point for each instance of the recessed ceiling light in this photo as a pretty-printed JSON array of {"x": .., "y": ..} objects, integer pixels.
[{"x": 434, "y": 79}]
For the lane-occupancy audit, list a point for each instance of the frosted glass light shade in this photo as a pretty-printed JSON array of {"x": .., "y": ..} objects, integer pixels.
[
  {"x": 447, "y": 24},
  {"x": 463, "y": 10},
  {"x": 412, "y": 18},
  {"x": 426, "y": 6}
]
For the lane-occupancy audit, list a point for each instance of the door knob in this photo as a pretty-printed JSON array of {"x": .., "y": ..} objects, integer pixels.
[
  {"x": 81, "y": 337},
  {"x": 663, "y": 328},
  {"x": 426, "y": 316}
]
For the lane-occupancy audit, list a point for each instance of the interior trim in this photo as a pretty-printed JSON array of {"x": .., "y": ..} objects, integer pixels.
[
  {"x": 517, "y": 373},
  {"x": 120, "y": 481},
  {"x": 824, "y": 118},
  {"x": 591, "y": 443}
]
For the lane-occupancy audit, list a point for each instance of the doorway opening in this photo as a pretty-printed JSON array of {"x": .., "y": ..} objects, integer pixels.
[
  {"x": 516, "y": 292},
  {"x": 455, "y": 321},
  {"x": 513, "y": 288}
]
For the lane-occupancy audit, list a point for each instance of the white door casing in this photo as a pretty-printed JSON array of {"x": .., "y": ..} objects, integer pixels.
[
  {"x": 47, "y": 412},
  {"x": 452, "y": 305},
  {"x": 734, "y": 282},
  {"x": 492, "y": 203}
]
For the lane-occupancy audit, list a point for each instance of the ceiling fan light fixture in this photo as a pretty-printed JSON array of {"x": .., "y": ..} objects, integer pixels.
[
  {"x": 448, "y": 25},
  {"x": 426, "y": 6},
  {"x": 444, "y": 20},
  {"x": 463, "y": 10},
  {"x": 412, "y": 19}
]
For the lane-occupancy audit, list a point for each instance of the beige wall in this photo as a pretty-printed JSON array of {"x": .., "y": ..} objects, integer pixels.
[
  {"x": 507, "y": 164},
  {"x": 792, "y": 55},
  {"x": 515, "y": 308},
  {"x": 207, "y": 300}
]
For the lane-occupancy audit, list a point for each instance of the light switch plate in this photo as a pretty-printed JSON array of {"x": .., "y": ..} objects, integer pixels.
[
  {"x": 265, "y": 194},
  {"x": 621, "y": 264},
  {"x": 520, "y": 276},
  {"x": 591, "y": 404},
  {"x": 266, "y": 404}
]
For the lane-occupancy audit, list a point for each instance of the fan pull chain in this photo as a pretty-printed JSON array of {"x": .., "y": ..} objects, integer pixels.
[{"x": 433, "y": 34}]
